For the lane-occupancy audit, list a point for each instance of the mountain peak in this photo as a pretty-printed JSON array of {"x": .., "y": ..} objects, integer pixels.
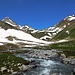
[
  {"x": 26, "y": 26},
  {"x": 9, "y": 21},
  {"x": 6, "y": 18},
  {"x": 70, "y": 18}
]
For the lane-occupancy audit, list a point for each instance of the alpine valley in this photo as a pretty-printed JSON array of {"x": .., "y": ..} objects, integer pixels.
[
  {"x": 27, "y": 51},
  {"x": 60, "y": 35}
]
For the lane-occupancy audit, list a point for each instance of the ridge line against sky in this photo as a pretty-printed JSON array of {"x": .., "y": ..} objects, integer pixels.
[{"x": 37, "y": 14}]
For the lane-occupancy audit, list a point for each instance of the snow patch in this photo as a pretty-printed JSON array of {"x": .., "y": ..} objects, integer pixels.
[
  {"x": 27, "y": 38},
  {"x": 1, "y": 44},
  {"x": 49, "y": 34},
  {"x": 67, "y": 32},
  {"x": 64, "y": 26},
  {"x": 51, "y": 28},
  {"x": 9, "y": 21},
  {"x": 45, "y": 37},
  {"x": 70, "y": 18},
  {"x": 62, "y": 41},
  {"x": 26, "y": 26},
  {"x": 34, "y": 31},
  {"x": 10, "y": 24},
  {"x": 54, "y": 34}
]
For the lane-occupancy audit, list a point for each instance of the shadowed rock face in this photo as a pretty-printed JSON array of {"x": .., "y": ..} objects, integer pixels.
[
  {"x": 11, "y": 22},
  {"x": 8, "y": 20}
]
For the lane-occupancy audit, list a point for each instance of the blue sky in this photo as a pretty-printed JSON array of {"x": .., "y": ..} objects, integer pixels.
[{"x": 37, "y": 14}]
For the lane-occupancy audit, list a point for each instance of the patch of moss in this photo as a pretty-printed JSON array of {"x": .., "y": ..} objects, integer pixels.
[
  {"x": 10, "y": 61},
  {"x": 39, "y": 35},
  {"x": 69, "y": 53},
  {"x": 3, "y": 47},
  {"x": 10, "y": 58},
  {"x": 70, "y": 45},
  {"x": 12, "y": 46}
]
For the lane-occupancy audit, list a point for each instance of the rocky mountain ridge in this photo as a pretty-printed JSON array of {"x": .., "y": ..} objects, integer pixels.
[
  {"x": 11, "y": 32},
  {"x": 51, "y": 32}
]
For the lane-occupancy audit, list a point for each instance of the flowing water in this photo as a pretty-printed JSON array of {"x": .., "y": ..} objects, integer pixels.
[{"x": 48, "y": 67}]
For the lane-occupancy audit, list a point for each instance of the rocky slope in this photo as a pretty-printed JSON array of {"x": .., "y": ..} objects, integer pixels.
[
  {"x": 64, "y": 27},
  {"x": 10, "y": 32},
  {"x": 68, "y": 32},
  {"x": 26, "y": 36}
]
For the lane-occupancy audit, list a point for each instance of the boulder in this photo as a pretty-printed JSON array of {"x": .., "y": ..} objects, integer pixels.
[
  {"x": 62, "y": 56},
  {"x": 66, "y": 60},
  {"x": 72, "y": 61},
  {"x": 73, "y": 71},
  {"x": 32, "y": 66},
  {"x": 23, "y": 67},
  {"x": 3, "y": 69}
]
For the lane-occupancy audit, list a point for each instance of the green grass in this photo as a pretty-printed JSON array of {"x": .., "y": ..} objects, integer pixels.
[
  {"x": 9, "y": 58},
  {"x": 19, "y": 51},
  {"x": 39, "y": 34},
  {"x": 70, "y": 45},
  {"x": 68, "y": 48},
  {"x": 63, "y": 35},
  {"x": 10, "y": 61},
  {"x": 69, "y": 53}
]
